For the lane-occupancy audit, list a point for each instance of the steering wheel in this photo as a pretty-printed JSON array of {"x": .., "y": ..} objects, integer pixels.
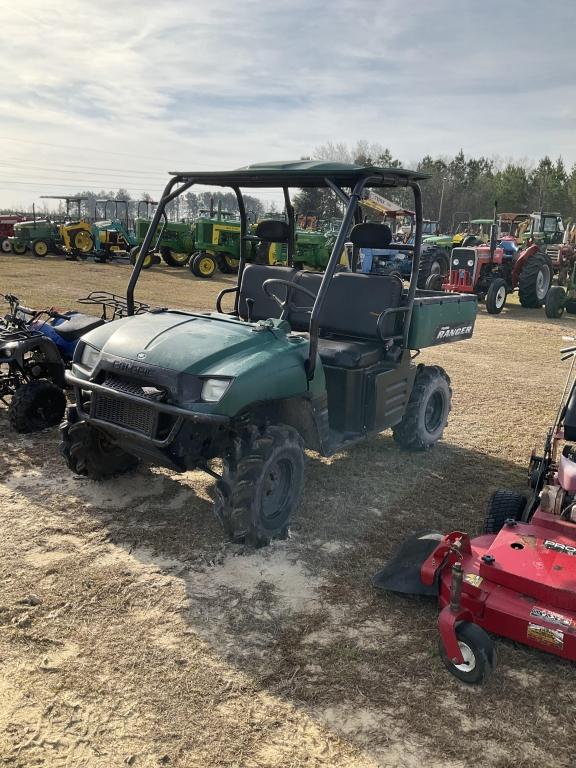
[{"x": 290, "y": 286}]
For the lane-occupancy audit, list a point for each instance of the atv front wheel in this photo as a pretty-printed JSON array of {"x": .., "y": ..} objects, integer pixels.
[
  {"x": 502, "y": 506},
  {"x": 261, "y": 485},
  {"x": 534, "y": 281},
  {"x": 88, "y": 452},
  {"x": 555, "y": 302},
  {"x": 479, "y": 654},
  {"x": 427, "y": 411},
  {"x": 36, "y": 405},
  {"x": 496, "y": 296}
]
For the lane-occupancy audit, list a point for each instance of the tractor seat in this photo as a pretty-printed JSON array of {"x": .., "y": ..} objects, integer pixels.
[
  {"x": 77, "y": 326},
  {"x": 344, "y": 353}
]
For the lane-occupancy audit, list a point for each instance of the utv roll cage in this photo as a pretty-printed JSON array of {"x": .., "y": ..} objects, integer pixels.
[{"x": 348, "y": 183}]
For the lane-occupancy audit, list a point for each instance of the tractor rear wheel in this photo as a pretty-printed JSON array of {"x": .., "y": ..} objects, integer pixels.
[
  {"x": 5, "y": 246},
  {"x": 555, "y": 302},
  {"x": 36, "y": 405},
  {"x": 534, "y": 281},
  {"x": 88, "y": 452},
  {"x": 427, "y": 411},
  {"x": 174, "y": 258},
  {"x": 496, "y": 296},
  {"x": 203, "y": 264},
  {"x": 433, "y": 261},
  {"x": 502, "y": 506},
  {"x": 40, "y": 248},
  {"x": 83, "y": 242},
  {"x": 261, "y": 484},
  {"x": 479, "y": 654}
]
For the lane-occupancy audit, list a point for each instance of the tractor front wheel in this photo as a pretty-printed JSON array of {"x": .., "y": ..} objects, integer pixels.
[
  {"x": 534, "y": 281},
  {"x": 555, "y": 302},
  {"x": 427, "y": 411},
  {"x": 174, "y": 258},
  {"x": 496, "y": 296},
  {"x": 40, "y": 248},
  {"x": 36, "y": 405},
  {"x": 5, "y": 246},
  {"x": 19, "y": 248},
  {"x": 203, "y": 264},
  {"x": 502, "y": 506},
  {"x": 261, "y": 485},
  {"x": 477, "y": 648},
  {"x": 149, "y": 261},
  {"x": 88, "y": 452}
]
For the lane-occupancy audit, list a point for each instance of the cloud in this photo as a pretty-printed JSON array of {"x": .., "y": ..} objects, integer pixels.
[{"x": 146, "y": 87}]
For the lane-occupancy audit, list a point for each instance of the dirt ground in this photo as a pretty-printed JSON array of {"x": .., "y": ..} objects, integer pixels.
[{"x": 131, "y": 634}]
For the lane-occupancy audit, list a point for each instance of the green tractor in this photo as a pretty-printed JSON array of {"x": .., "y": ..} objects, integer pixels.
[
  {"x": 299, "y": 360},
  {"x": 216, "y": 243},
  {"x": 44, "y": 236},
  {"x": 173, "y": 240}
]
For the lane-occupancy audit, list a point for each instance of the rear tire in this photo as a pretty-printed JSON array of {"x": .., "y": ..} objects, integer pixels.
[
  {"x": 5, "y": 246},
  {"x": 88, "y": 452},
  {"x": 173, "y": 258},
  {"x": 534, "y": 281},
  {"x": 36, "y": 405},
  {"x": 40, "y": 248},
  {"x": 555, "y": 302},
  {"x": 479, "y": 654},
  {"x": 496, "y": 296},
  {"x": 433, "y": 261},
  {"x": 502, "y": 506},
  {"x": 427, "y": 412},
  {"x": 261, "y": 485}
]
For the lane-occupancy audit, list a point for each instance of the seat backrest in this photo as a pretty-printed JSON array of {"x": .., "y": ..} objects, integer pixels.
[
  {"x": 355, "y": 301},
  {"x": 272, "y": 231},
  {"x": 300, "y": 321},
  {"x": 253, "y": 303},
  {"x": 371, "y": 235}
]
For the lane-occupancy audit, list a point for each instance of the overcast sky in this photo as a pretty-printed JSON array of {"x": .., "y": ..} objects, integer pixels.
[{"x": 116, "y": 93}]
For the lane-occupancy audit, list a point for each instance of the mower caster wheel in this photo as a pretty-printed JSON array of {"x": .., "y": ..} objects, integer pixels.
[
  {"x": 502, "y": 506},
  {"x": 427, "y": 411},
  {"x": 479, "y": 654},
  {"x": 261, "y": 485},
  {"x": 555, "y": 302},
  {"x": 36, "y": 405},
  {"x": 496, "y": 296},
  {"x": 88, "y": 452}
]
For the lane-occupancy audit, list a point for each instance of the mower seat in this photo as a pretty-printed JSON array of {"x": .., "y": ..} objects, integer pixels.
[{"x": 77, "y": 326}]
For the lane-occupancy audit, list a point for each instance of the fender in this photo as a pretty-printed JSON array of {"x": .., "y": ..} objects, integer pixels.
[{"x": 526, "y": 254}]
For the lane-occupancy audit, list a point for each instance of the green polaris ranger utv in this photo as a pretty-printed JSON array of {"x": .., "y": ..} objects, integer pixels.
[{"x": 300, "y": 360}]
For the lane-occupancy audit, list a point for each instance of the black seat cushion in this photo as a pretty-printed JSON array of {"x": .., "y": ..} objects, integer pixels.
[
  {"x": 77, "y": 326},
  {"x": 371, "y": 235},
  {"x": 273, "y": 231},
  {"x": 355, "y": 301},
  {"x": 253, "y": 303},
  {"x": 350, "y": 354}
]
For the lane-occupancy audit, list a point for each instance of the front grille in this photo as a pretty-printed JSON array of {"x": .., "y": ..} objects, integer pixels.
[
  {"x": 125, "y": 413},
  {"x": 131, "y": 387}
]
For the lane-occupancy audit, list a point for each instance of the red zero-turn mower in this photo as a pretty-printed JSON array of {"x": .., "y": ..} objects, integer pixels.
[{"x": 518, "y": 579}]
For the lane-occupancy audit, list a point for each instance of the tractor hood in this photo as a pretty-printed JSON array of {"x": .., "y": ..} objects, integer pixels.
[{"x": 263, "y": 360}]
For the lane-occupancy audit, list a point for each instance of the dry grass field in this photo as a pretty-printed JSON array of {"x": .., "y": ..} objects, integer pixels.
[{"x": 149, "y": 641}]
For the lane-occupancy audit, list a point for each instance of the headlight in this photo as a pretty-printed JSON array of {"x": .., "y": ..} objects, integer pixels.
[
  {"x": 89, "y": 357},
  {"x": 214, "y": 389},
  {"x": 455, "y": 262},
  {"x": 470, "y": 262}
]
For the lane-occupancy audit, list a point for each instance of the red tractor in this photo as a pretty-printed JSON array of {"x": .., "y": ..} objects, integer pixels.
[
  {"x": 493, "y": 270},
  {"x": 7, "y": 230},
  {"x": 518, "y": 578}
]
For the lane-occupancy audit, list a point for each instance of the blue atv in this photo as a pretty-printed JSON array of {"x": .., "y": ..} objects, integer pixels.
[{"x": 36, "y": 347}]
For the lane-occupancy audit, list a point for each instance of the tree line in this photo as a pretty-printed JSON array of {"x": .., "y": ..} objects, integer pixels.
[{"x": 457, "y": 185}]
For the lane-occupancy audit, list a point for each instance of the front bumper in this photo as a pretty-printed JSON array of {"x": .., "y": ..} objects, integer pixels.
[{"x": 141, "y": 419}]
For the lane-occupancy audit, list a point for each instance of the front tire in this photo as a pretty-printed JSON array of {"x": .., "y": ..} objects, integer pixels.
[
  {"x": 19, "y": 248},
  {"x": 36, "y": 405},
  {"x": 40, "y": 248},
  {"x": 433, "y": 261},
  {"x": 502, "y": 506},
  {"x": 534, "y": 281},
  {"x": 479, "y": 654},
  {"x": 555, "y": 302},
  {"x": 149, "y": 261},
  {"x": 88, "y": 452},
  {"x": 174, "y": 258},
  {"x": 496, "y": 296},
  {"x": 427, "y": 411},
  {"x": 261, "y": 485},
  {"x": 203, "y": 264},
  {"x": 5, "y": 246}
]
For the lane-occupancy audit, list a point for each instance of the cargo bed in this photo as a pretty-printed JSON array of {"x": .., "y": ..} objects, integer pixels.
[{"x": 439, "y": 318}]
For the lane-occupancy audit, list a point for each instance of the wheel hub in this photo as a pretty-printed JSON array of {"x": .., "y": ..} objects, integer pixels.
[
  {"x": 500, "y": 297},
  {"x": 542, "y": 282},
  {"x": 469, "y": 659}
]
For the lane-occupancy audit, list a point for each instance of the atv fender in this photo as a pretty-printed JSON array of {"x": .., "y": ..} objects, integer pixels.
[
  {"x": 46, "y": 347},
  {"x": 526, "y": 254}
]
